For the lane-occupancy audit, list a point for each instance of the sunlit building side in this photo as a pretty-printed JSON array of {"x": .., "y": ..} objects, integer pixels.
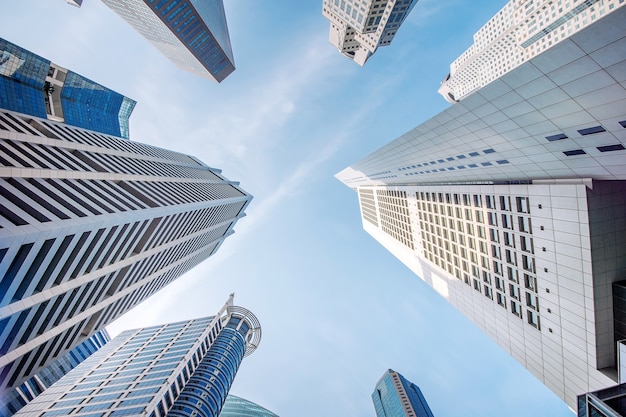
[
  {"x": 358, "y": 28},
  {"x": 511, "y": 204}
]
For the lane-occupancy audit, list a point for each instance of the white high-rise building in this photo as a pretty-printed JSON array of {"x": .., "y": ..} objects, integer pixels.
[
  {"x": 521, "y": 30},
  {"x": 90, "y": 226},
  {"x": 359, "y": 27},
  {"x": 511, "y": 204}
]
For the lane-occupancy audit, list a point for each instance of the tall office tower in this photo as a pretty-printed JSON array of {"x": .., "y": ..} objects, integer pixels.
[
  {"x": 511, "y": 204},
  {"x": 395, "y": 396},
  {"x": 35, "y": 385},
  {"x": 35, "y": 86},
  {"x": 175, "y": 370},
  {"x": 239, "y": 407},
  {"x": 192, "y": 34},
  {"x": 91, "y": 225},
  {"x": 521, "y": 30},
  {"x": 359, "y": 27}
]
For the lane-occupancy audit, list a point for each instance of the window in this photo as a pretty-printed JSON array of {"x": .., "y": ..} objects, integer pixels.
[
  {"x": 533, "y": 319},
  {"x": 591, "y": 130},
  {"x": 501, "y": 299},
  {"x": 559, "y": 136},
  {"x": 575, "y": 152},
  {"x": 610, "y": 148},
  {"x": 515, "y": 308}
]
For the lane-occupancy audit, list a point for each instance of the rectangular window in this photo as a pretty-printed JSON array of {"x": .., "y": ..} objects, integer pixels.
[
  {"x": 591, "y": 130},
  {"x": 575, "y": 152},
  {"x": 610, "y": 148},
  {"x": 559, "y": 136}
]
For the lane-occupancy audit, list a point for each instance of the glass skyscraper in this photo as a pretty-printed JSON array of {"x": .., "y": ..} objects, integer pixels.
[
  {"x": 35, "y": 86},
  {"x": 193, "y": 34},
  {"x": 177, "y": 370},
  {"x": 395, "y": 396},
  {"x": 511, "y": 205},
  {"x": 240, "y": 407},
  {"x": 35, "y": 385},
  {"x": 92, "y": 225}
]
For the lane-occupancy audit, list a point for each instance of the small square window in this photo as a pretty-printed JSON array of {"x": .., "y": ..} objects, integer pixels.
[
  {"x": 487, "y": 151},
  {"x": 575, "y": 152}
]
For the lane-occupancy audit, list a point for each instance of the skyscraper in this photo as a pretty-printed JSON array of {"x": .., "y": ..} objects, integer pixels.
[
  {"x": 395, "y": 396},
  {"x": 192, "y": 34},
  {"x": 35, "y": 86},
  {"x": 521, "y": 30},
  {"x": 359, "y": 27},
  {"x": 240, "y": 407},
  {"x": 179, "y": 369},
  {"x": 91, "y": 225},
  {"x": 511, "y": 205},
  {"x": 35, "y": 385}
]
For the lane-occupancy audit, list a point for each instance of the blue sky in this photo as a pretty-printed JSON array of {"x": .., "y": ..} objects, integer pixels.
[{"x": 336, "y": 309}]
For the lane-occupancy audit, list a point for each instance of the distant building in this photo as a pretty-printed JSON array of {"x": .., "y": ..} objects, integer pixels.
[
  {"x": 239, "y": 407},
  {"x": 35, "y": 385},
  {"x": 174, "y": 370},
  {"x": 358, "y": 28},
  {"x": 511, "y": 205},
  {"x": 35, "y": 86},
  {"x": 395, "y": 396},
  {"x": 193, "y": 34},
  {"x": 92, "y": 225},
  {"x": 521, "y": 30}
]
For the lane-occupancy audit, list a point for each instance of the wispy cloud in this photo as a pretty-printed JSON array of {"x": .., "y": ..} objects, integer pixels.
[{"x": 424, "y": 10}]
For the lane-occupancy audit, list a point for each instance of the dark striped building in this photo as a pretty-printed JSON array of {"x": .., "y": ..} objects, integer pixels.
[{"x": 90, "y": 226}]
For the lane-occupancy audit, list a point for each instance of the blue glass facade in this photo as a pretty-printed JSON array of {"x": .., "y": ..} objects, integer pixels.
[
  {"x": 395, "y": 396},
  {"x": 47, "y": 376},
  {"x": 91, "y": 106},
  {"x": 201, "y": 27},
  {"x": 207, "y": 389},
  {"x": 27, "y": 86},
  {"x": 22, "y": 77}
]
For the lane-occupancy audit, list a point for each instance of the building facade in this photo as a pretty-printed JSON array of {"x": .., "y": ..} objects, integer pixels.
[
  {"x": 35, "y": 86},
  {"x": 240, "y": 407},
  {"x": 359, "y": 27},
  {"x": 192, "y": 34},
  {"x": 35, "y": 385},
  {"x": 521, "y": 30},
  {"x": 179, "y": 369},
  {"x": 395, "y": 396},
  {"x": 91, "y": 226},
  {"x": 511, "y": 205}
]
